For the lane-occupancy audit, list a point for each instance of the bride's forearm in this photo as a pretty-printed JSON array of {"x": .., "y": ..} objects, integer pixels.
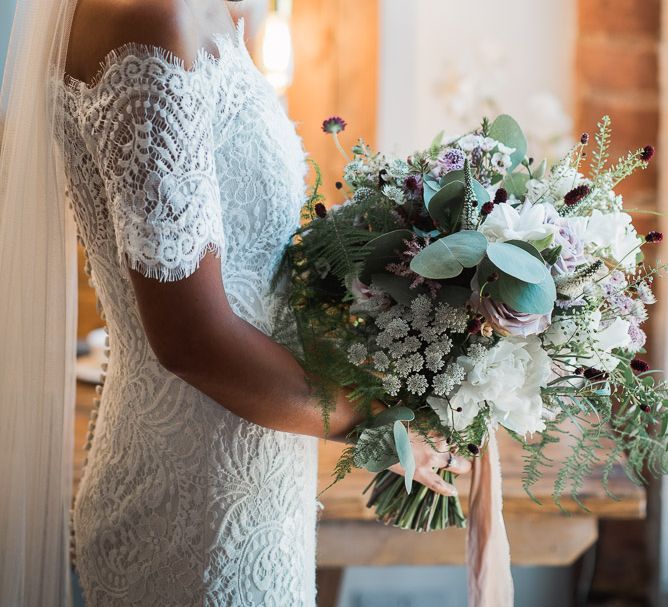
[{"x": 261, "y": 381}]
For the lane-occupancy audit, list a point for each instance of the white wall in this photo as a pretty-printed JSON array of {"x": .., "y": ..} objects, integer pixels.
[{"x": 508, "y": 51}]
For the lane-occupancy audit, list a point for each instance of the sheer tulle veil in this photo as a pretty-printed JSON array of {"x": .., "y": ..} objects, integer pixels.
[{"x": 37, "y": 314}]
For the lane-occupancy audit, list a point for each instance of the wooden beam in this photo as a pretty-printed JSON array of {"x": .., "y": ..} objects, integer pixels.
[{"x": 534, "y": 540}]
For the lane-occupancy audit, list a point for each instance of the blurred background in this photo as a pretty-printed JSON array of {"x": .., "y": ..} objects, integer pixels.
[{"x": 400, "y": 71}]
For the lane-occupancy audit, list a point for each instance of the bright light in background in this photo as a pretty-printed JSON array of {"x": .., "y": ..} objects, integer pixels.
[{"x": 276, "y": 53}]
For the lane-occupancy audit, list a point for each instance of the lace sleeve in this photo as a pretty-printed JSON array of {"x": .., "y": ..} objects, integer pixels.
[{"x": 154, "y": 146}]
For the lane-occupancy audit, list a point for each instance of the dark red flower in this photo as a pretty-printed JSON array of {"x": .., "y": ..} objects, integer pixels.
[
  {"x": 639, "y": 365},
  {"x": 576, "y": 195},
  {"x": 339, "y": 185},
  {"x": 647, "y": 153},
  {"x": 487, "y": 208},
  {"x": 593, "y": 374},
  {"x": 654, "y": 236},
  {"x": 501, "y": 196},
  {"x": 334, "y": 125},
  {"x": 645, "y": 408},
  {"x": 474, "y": 325},
  {"x": 474, "y": 449},
  {"x": 493, "y": 277},
  {"x": 584, "y": 138},
  {"x": 321, "y": 210}
]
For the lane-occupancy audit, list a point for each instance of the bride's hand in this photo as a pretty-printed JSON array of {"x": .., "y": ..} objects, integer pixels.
[{"x": 431, "y": 457}]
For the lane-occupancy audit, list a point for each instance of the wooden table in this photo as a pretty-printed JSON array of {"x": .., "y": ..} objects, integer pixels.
[{"x": 539, "y": 535}]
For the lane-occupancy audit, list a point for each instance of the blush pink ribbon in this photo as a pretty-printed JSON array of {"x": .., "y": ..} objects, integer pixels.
[{"x": 490, "y": 583}]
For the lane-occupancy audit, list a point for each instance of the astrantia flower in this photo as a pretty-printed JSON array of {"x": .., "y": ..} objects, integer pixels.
[
  {"x": 394, "y": 193},
  {"x": 507, "y": 223},
  {"x": 654, "y": 236},
  {"x": 413, "y": 186},
  {"x": 334, "y": 125},
  {"x": 509, "y": 379}
]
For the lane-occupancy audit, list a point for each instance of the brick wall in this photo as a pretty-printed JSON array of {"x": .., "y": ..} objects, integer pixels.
[{"x": 617, "y": 73}]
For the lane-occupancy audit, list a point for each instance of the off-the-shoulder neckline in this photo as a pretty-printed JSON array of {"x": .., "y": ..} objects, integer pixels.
[{"x": 134, "y": 49}]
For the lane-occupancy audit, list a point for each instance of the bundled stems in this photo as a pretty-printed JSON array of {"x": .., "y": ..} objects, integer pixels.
[{"x": 421, "y": 510}]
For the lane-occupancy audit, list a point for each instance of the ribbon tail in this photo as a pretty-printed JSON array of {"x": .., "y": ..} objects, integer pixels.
[{"x": 490, "y": 583}]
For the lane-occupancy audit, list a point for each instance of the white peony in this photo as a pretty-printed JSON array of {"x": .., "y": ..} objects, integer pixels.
[
  {"x": 614, "y": 336},
  {"x": 614, "y": 234},
  {"x": 508, "y": 223},
  {"x": 599, "y": 342},
  {"x": 509, "y": 379}
]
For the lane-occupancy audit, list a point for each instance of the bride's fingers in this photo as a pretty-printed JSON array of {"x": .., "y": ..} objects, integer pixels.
[
  {"x": 430, "y": 479},
  {"x": 455, "y": 463}
]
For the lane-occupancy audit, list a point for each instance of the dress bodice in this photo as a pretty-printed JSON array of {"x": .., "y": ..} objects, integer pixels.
[{"x": 166, "y": 164}]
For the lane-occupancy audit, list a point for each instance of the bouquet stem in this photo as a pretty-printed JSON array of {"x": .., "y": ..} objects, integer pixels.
[{"x": 421, "y": 510}]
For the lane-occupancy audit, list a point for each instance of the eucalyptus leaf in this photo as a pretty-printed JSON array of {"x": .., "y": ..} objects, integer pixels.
[
  {"x": 397, "y": 287},
  {"x": 448, "y": 256},
  {"x": 528, "y": 247},
  {"x": 541, "y": 245},
  {"x": 445, "y": 206},
  {"x": 405, "y": 453},
  {"x": 516, "y": 184},
  {"x": 516, "y": 262},
  {"x": 431, "y": 187},
  {"x": 391, "y": 415},
  {"x": 539, "y": 173},
  {"x": 506, "y": 130},
  {"x": 381, "y": 251},
  {"x": 524, "y": 296},
  {"x": 458, "y": 175},
  {"x": 375, "y": 449}
]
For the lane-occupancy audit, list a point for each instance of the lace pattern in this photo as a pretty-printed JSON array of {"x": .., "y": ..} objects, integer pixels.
[{"x": 182, "y": 502}]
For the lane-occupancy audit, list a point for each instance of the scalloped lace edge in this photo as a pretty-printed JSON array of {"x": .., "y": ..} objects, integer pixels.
[{"x": 163, "y": 274}]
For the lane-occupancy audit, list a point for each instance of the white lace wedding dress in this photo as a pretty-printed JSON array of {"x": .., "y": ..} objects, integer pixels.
[{"x": 182, "y": 502}]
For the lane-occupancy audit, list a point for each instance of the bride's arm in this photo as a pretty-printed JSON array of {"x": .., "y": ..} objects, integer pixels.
[{"x": 196, "y": 335}]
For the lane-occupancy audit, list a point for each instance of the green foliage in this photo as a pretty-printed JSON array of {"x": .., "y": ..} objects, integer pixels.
[
  {"x": 601, "y": 153},
  {"x": 506, "y": 130},
  {"x": 405, "y": 452},
  {"x": 517, "y": 262},
  {"x": 448, "y": 256}
]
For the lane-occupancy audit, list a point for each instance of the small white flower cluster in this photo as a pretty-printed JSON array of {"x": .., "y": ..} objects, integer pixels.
[
  {"x": 412, "y": 346},
  {"x": 500, "y": 153}
]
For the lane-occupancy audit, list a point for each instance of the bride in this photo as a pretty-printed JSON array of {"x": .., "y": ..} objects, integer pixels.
[{"x": 185, "y": 179}]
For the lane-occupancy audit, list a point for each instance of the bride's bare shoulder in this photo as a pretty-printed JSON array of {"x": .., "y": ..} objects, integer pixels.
[{"x": 101, "y": 26}]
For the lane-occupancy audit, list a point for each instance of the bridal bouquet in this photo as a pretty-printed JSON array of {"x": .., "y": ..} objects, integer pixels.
[{"x": 470, "y": 288}]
